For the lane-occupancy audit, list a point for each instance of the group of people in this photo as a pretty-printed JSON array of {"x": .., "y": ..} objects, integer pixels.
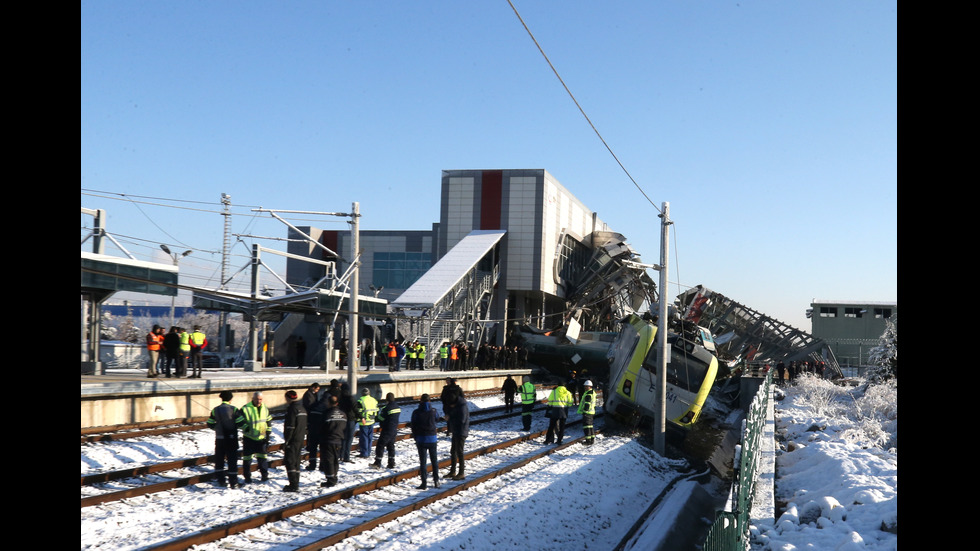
[
  {"x": 459, "y": 356},
  {"x": 557, "y": 402},
  {"x": 327, "y": 420},
  {"x": 413, "y": 352},
  {"x": 255, "y": 423},
  {"x": 177, "y": 348},
  {"x": 795, "y": 369}
]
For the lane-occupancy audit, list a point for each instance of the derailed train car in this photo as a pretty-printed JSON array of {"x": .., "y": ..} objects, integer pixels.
[{"x": 633, "y": 375}]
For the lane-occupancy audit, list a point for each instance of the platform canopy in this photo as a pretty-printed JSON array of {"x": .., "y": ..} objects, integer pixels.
[
  {"x": 103, "y": 274},
  {"x": 313, "y": 302}
]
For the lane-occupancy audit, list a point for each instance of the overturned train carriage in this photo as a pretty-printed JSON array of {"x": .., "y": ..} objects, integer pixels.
[{"x": 633, "y": 370}]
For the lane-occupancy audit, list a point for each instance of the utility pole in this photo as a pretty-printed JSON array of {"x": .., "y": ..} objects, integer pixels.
[
  {"x": 253, "y": 363},
  {"x": 353, "y": 358},
  {"x": 659, "y": 439},
  {"x": 223, "y": 318}
]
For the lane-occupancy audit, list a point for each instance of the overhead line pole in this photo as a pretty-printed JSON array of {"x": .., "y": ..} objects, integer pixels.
[
  {"x": 659, "y": 440},
  {"x": 353, "y": 358}
]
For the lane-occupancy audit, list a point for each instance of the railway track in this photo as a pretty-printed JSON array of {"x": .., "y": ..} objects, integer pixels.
[
  {"x": 170, "y": 471},
  {"x": 322, "y": 521}
]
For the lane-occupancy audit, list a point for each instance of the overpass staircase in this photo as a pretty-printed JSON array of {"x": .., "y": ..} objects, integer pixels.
[{"x": 451, "y": 301}]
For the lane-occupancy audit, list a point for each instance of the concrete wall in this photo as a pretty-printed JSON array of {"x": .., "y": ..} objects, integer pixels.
[{"x": 141, "y": 401}]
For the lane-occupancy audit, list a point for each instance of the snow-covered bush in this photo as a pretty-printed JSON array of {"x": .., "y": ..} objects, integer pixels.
[{"x": 884, "y": 356}]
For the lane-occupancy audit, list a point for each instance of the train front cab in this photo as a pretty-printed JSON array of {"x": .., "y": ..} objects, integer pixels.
[{"x": 690, "y": 376}]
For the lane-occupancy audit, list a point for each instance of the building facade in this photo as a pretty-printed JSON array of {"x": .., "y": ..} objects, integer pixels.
[
  {"x": 549, "y": 239},
  {"x": 851, "y": 329}
]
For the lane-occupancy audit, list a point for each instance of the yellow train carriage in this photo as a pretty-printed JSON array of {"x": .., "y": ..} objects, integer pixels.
[{"x": 633, "y": 365}]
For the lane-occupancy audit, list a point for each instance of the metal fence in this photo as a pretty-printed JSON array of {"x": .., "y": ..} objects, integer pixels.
[{"x": 730, "y": 530}]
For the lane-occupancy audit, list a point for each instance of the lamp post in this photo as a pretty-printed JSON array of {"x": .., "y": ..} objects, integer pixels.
[{"x": 176, "y": 258}]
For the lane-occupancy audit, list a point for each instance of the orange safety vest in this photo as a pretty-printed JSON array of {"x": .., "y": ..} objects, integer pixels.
[
  {"x": 392, "y": 353},
  {"x": 153, "y": 341},
  {"x": 454, "y": 353}
]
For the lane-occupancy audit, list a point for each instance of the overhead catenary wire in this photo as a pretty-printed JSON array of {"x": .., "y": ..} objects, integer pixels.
[{"x": 581, "y": 110}]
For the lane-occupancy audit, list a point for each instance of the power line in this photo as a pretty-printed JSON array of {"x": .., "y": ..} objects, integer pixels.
[{"x": 594, "y": 129}]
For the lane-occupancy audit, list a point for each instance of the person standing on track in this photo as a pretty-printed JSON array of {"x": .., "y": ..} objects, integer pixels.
[
  {"x": 388, "y": 417},
  {"x": 509, "y": 389},
  {"x": 222, "y": 421},
  {"x": 586, "y": 406},
  {"x": 558, "y": 402},
  {"x": 529, "y": 395},
  {"x": 424, "y": 432},
  {"x": 256, "y": 423},
  {"x": 457, "y": 412},
  {"x": 315, "y": 405},
  {"x": 332, "y": 435},
  {"x": 294, "y": 433},
  {"x": 366, "y": 410}
]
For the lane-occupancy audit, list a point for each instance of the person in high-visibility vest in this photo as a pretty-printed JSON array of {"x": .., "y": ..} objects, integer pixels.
[
  {"x": 529, "y": 395},
  {"x": 154, "y": 342},
  {"x": 444, "y": 357},
  {"x": 421, "y": 354},
  {"x": 185, "y": 352},
  {"x": 392, "y": 356},
  {"x": 255, "y": 421},
  {"x": 453, "y": 357},
  {"x": 558, "y": 402},
  {"x": 366, "y": 410},
  {"x": 197, "y": 341},
  {"x": 388, "y": 417},
  {"x": 586, "y": 406},
  {"x": 413, "y": 355}
]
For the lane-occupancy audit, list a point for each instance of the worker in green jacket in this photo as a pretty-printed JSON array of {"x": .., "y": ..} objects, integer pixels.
[
  {"x": 586, "y": 407},
  {"x": 255, "y": 421},
  {"x": 529, "y": 395},
  {"x": 558, "y": 402}
]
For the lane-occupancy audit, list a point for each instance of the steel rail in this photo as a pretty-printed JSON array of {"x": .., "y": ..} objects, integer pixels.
[
  {"x": 228, "y": 529},
  {"x": 196, "y": 479}
]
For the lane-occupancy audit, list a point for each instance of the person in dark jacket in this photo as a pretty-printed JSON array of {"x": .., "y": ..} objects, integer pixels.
[
  {"x": 171, "y": 345},
  {"x": 222, "y": 421},
  {"x": 346, "y": 404},
  {"x": 458, "y": 417},
  {"x": 448, "y": 391},
  {"x": 388, "y": 417},
  {"x": 509, "y": 389},
  {"x": 294, "y": 433},
  {"x": 315, "y": 412},
  {"x": 333, "y": 436},
  {"x": 423, "y": 427}
]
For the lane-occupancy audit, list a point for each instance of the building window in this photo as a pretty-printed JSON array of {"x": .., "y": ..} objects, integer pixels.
[
  {"x": 399, "y": 270},
  {"x": 828, "y": 312},
  {"x": 853, "y": 312},
  {"x": 883, "y": 313}
]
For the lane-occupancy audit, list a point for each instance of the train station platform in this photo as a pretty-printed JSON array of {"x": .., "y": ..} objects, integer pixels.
[{"x": 126, "y": 396}]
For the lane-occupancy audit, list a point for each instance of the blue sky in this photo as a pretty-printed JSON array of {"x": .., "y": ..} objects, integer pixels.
[{"x": 770, "y": 127}]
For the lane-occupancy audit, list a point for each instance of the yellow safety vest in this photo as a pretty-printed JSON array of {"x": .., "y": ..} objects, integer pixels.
[{"x": 528, "y": 393}]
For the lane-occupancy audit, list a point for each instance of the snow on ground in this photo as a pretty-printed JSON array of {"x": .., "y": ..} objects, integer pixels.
[{"x": 836, "y": 471}]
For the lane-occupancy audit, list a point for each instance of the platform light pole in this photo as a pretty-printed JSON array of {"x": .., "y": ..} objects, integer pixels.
[{"x": 176, "y": 258}]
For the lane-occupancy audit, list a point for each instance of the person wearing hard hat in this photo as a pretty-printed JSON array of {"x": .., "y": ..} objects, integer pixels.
[{"x": 586, "y": 407}]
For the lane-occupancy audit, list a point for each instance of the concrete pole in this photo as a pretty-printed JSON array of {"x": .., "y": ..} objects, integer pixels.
[
  {"x": 659, "y": 437},
  {"x": 253, "y": 363},
  {"x": 353, "y": 358}
]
